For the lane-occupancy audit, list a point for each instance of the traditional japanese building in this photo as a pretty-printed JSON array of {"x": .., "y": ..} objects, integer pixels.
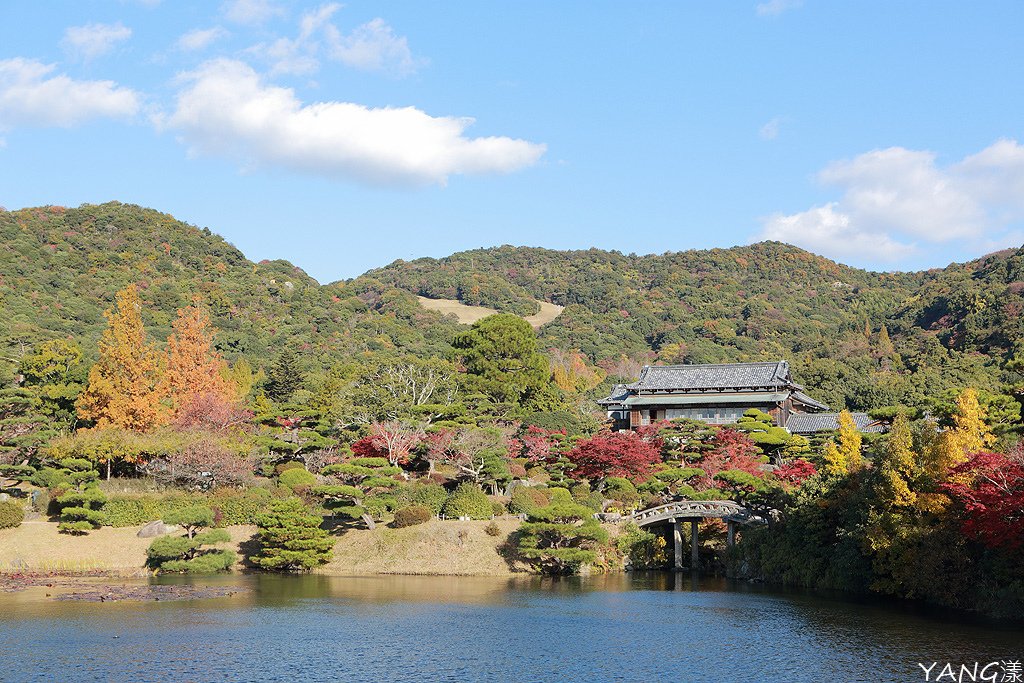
[{"x": 717, "y": 394}]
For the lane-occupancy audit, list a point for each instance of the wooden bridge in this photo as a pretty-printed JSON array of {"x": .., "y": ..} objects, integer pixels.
[{"x": 672, "y": 515}]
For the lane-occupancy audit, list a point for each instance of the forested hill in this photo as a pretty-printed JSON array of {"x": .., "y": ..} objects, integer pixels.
[
  {"x": 60, "y": 269},
  {"x": 855, "y": 338}
]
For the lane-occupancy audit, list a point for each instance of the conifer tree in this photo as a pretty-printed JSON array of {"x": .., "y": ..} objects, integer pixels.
[
  {"x": 291, "y": 538},
  {"x": 194, "y": 367},
  {"x": 284, "y": 376},
  {"x": 122, "y": 389}
]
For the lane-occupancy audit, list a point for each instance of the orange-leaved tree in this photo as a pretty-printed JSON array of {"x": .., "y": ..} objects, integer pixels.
[
  {"x": 123, "y": 387},
  {"x": 194, "y": 368}
]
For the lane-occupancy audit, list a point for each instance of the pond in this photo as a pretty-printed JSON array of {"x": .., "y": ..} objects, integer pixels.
[{"x": 642, "y": 627}]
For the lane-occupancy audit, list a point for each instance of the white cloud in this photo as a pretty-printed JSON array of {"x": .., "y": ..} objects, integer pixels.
[
  {"x": 895, "y": 201},
  {"x": 31, "y": 96},
  {"x": 93, "y": 40},
  {"x": 770, "y": 130},
  {"x": 375, "y": 47},
  {"x": 200, "y": 38},
  {"x": 904, "y": 190},
  {"x": 298, "y": 55},
  {"x": 773, "y": 8},
  {"x": 251, "y": 12},
  {"x": 824, "y": 230},
  {"x": 226, "y": 108}
]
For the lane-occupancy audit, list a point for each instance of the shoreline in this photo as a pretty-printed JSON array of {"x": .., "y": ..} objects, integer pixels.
[{"x": 435, "y": 548}]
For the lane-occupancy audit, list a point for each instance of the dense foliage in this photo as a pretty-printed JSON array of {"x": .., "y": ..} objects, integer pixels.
[{"x": 138, "y": 347}]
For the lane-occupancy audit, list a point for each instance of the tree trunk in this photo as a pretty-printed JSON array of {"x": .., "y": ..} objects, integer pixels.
[
  {"x": 370, "y": 524},
  {"x": 108, "y": 469}
]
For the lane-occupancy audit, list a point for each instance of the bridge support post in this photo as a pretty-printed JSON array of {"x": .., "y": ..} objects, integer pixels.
[
  {"x": 732, "y": 534},
  {"x": 677, "y": 543},
  {"x": 694, "y": 546}
]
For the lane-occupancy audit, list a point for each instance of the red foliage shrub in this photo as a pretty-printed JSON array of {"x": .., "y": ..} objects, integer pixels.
[{"x": 795, "y": 473}]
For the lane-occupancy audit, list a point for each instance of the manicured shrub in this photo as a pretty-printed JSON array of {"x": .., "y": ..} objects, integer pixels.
[
  {"x": 81, "y": 506},
  {"x": 493, "y": 529},
  {"x": 497, "y": 508},
  {"x": 240, "y": 507},
  {"x": 186, "y": 554},
  {"x": 124, "y": 511},
  {"x": 432, "y": 495},
  {"x": 412, "y": 515},
  {"x": 297, "y": 479},
  {"x": 290, "y": 538},
  {"x": 527, "y": 499},
  {"x": 283, "y": 467},
  {"x": 622, "y": 490},
  {"x": 11, "y": 514},
  {"x": 562, "y": 537},
  {"x": 468, "y": 500}
]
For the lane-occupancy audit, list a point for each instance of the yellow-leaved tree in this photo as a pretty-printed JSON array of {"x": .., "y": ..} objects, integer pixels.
[
  {"x": 968, "y": 435},
  {"x": 895, "y": 467},
  {"x": 842, "y": 455},
  {"x": 123, "y": 386}
]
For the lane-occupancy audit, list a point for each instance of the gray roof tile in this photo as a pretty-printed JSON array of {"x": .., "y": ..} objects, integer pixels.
[
  {"x": 721, "y": 376},
  {"x": 809, "y": 423}
]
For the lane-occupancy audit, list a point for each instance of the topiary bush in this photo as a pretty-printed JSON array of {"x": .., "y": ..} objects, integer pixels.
[
  {"x": 297, "y": 478},
  {"x": 527, "y": 499},
  {"x": 290, "y": 538},
  {"x": 11, "y": 514},
  {"x": 412, "y": 515},
  {"x": 240, "y": 507},
  {"x": 468, "y": 500},
  {"x": 431, "y": 495},
  {"x": 186, "y": 554}
]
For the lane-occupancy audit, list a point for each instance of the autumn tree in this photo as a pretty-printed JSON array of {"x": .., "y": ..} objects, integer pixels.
[
  {"x": 989, "y": 488},
  {"x": 195, "y": 371},
  {"x": 968, "y": 434},
  {"x": 842, "y": 455},
  {"x": 123, "y": 386},
  {"x": 395, "y": 440},
  {"x": 895, "y": 467},
  {"x": 614, "y": 454}
]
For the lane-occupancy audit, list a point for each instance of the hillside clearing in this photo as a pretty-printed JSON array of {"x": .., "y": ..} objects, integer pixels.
[{"x": 468, "y": 315}]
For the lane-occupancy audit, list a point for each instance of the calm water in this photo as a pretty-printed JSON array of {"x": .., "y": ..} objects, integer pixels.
[{"x": 655, "y": 627}]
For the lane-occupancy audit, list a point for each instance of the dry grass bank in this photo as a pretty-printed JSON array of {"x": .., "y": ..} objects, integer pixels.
[
  {"x": 468, "y": 315},
  {"x": 435, "y": 548},
  {"x": 449, "y": 548},
  {"x": 37, "y": 546}
]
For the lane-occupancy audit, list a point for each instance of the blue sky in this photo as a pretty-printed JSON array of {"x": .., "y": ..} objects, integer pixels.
[{"x": 342, "y": 137}]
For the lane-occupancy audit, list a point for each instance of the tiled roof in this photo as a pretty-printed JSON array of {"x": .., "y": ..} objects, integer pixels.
[
  {"x": 809, "y": 423},
  {"x": 723, "y": 376},
  {"x": 801, "y": 397},
  {"x": 619, "y": 394}
]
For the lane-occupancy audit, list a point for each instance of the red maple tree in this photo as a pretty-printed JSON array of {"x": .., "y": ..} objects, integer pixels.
[
  {"x": 614, "y": 454},
  {"x": 990, "y": 489}
]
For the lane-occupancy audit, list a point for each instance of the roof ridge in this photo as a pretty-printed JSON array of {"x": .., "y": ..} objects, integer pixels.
[{"x": 718, "y": 365}]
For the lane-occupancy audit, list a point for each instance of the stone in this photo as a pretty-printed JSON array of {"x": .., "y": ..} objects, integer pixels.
[{"x": 156, "y": 528}]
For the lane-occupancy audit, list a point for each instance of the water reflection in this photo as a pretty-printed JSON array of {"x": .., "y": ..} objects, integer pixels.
[{"x": 642, "y": 627}]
